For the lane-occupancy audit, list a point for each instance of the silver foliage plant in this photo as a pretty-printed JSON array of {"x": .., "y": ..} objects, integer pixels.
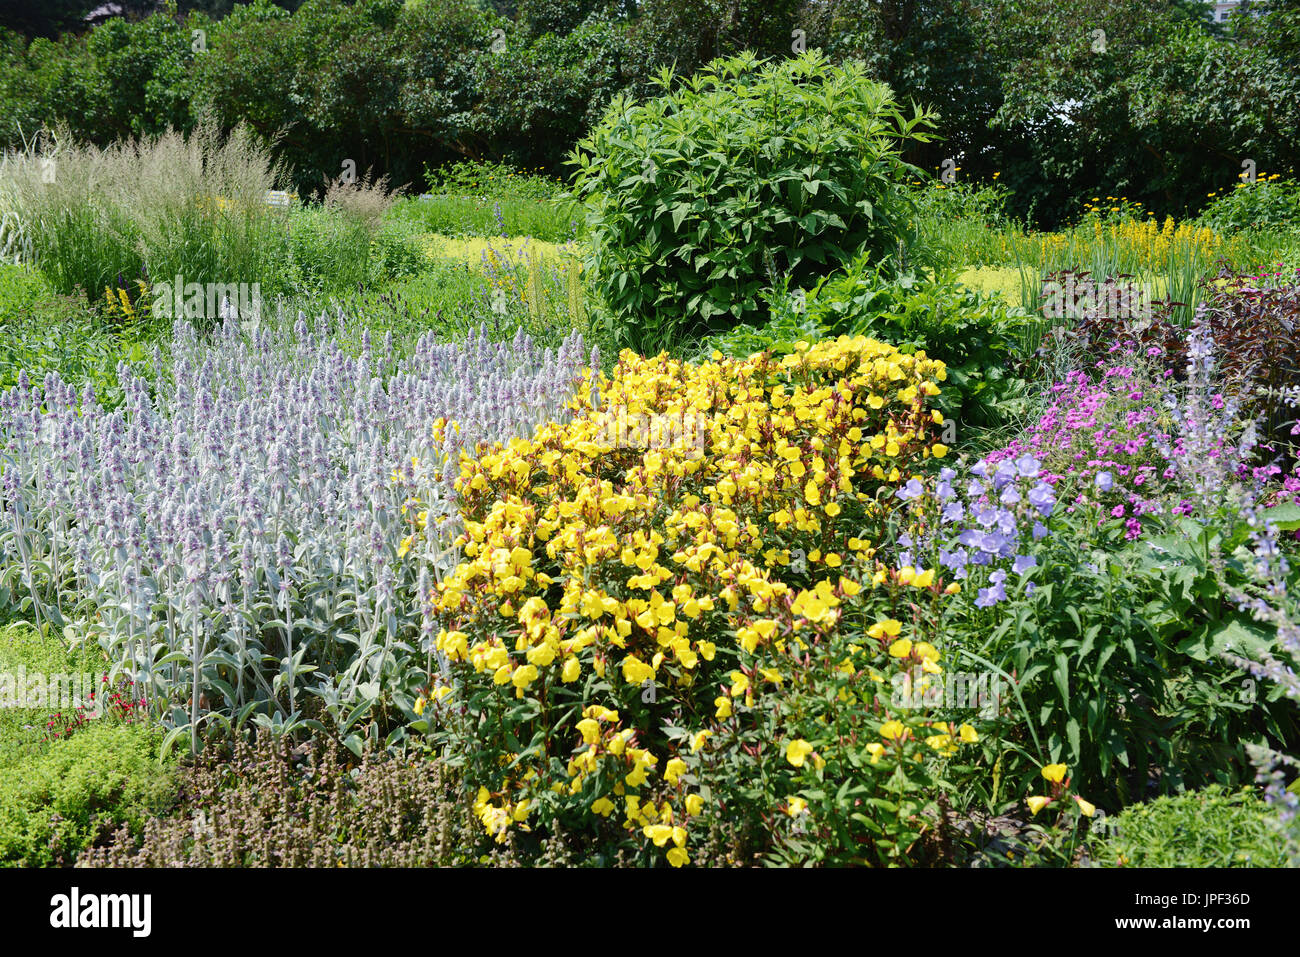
[
  {"x": 231, "y": 534},
  {"x": 1220, "y": 480}
]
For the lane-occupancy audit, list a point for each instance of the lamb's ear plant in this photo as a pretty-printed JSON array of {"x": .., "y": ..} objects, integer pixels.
[{"x": 234, "y": 530}]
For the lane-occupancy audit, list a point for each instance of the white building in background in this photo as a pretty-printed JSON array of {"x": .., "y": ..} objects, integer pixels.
[{"x": 1224, "y": 9}]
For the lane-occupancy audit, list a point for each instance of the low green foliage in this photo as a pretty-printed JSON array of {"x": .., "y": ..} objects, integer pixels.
[
  {"x": 977, "y": 336},
  {"x": 1214, "y": 827},
  {"x": 42, "y": 331},
  {"x": 1269, "y": 203},
  {"x": 56, "y": 804},
  {"x": 467, "y": 215},
  {"x": 489, "y": 180}
]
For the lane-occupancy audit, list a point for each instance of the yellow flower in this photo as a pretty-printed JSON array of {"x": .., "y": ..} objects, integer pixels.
[
  {"x": 678, "y": 856},
  {"x": 967, "y": 734},
  {"x": 674, "y": 769},
  {"x": 1054, "y": 772},
  {"x": 901, "y": 648},
  {"x": 419, "y": 705},
  {"x": 797, "y": 750},
  {"x": 724, "y": 708},
  {"x": 889, "y": 627},
  {"x": 694, "y": 804},
  {"x": 1037, "y": 803},
  {"x": 590, "y": 730},
  {"x": 572, "y": 669},
  {"x": 1086, "y": 807},
  {"x": 659, "y": 833},
  {"x": 892, "y": 730},
  {"x": 796, "y": 806}
]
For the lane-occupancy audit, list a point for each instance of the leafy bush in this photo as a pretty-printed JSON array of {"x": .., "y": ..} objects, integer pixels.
[
  {"x": 56, "y": 804},
  {"x": 789, "y": 325},
  {"x": 976, "y": 336},
  {"x": 678, "y": 645},
  {"x": 686, "y": 195},
  {"x": 488, "y": 180},
  {"x": 1213, "y": 827},
  {"x": 984, "y": 203},
  {"x": 42, "y": 332},
  {"x": 1269, "y": 203}
]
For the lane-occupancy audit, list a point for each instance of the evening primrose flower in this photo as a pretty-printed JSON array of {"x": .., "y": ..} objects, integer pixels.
[
  {"x": 797, "y": 750},
  {"x": 590, "y": 730},
  {"x": 674, "y": 769},
  {"x": 892, "y": 730},
  {"x": 889, "y": 627},
  {"x": 796, "y": 806},
  {"x": 901, "y": 648},
  {"x": 1054, "y": 772},
  {"x": 1037, "y": 803},
  {"x": 1087, "y": 808}
]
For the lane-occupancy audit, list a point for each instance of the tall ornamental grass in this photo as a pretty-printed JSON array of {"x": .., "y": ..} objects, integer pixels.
[
  {"x": 230, "y": 534},
  {"x": 150, "y": 209}
]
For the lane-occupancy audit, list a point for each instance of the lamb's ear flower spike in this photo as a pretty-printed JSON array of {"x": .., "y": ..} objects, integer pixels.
[{"x": 258, "y": 463}]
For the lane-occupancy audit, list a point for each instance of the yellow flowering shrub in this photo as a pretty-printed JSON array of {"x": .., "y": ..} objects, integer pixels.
[{"x": 670, "y": 618}]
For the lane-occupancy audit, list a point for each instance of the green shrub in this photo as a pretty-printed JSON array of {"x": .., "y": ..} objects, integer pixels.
[
  {"x": 789, "y": 324},
  {"x": 488, "y": 180},
  {"x": 1210, "y": 828},
  {"x": 56, "y": 804},
  {"x": 42, "y": 331},
  {"x": 462, "y": 215},
  {"x": 688, "y": 194},
  {"x": 327, "y": 252},
  {"x": 1269, "y": 203},
  {"x": 977, "y": 336}
]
